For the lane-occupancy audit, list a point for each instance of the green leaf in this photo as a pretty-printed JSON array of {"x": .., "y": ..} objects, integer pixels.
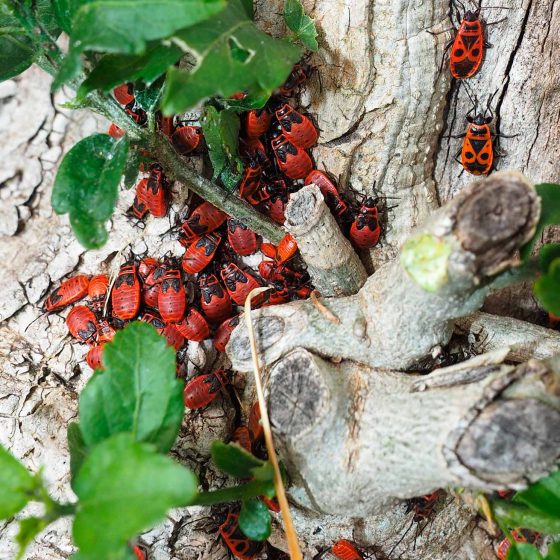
[
  {"x": 124, "y": 488},
  {"x": 86, "y": 186},
  {"x": 232, "y": 55},
  {"x": 122, "y": 26},
  {"x": 523, "y": 551},
  {"x": 515, "y": 515},
  {"x": 253, "y": 100},
  {"x": 550, "y": 213},
  {"x": 115, "y": 69},
  {"x": 547, "y": 288},
  {"x": 254, "y": 520},
  {"x": 131, "y": 169},
  {"x": 17, "y": 51},
  {"x": 65, "y": 11},
  {"x": 264, "y": 473},
  {"x": 148, "y": 96},
  {"x": 16, "y": 484},
  {"x": 233, "y": 459},
  {"x": 29, "y": 528},
  {"x": 221, "y": 133},
  {"x": 547, "y": 254},
  {"x": 543, "y": 495},
  {"x": 302, "y": 25},
  {"x": 425, "y": 257},
  {"x": 78, "y": 449},
  {"x": 248, "y": 5},
  {"x": 137, "y": 391},
  {"x": 553, "y": 551}
]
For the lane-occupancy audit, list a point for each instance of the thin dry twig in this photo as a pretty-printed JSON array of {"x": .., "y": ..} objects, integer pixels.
[
  {"x": 323, "y": 309},
  {"x": 291, "y": 535}
]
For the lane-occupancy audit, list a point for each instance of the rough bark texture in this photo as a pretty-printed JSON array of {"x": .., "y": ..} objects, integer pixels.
[{"x": 385, "y": 113}]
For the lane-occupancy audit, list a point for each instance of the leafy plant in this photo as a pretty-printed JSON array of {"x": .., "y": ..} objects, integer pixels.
[
  {"x": 538, "y": 509},
  {"x": 130, "y": 415},
  {"x": 115, "y": 42}
]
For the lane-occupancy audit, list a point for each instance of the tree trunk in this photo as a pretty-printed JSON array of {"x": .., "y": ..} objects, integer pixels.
[{"x": 385, "y": 113}]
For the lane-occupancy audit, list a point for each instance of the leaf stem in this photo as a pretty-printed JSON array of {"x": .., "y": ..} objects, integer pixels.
[{"x": 233, "y": 494}]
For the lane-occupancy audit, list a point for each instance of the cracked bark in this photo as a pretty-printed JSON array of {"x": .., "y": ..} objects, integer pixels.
[{"x": 383, "y": 111}]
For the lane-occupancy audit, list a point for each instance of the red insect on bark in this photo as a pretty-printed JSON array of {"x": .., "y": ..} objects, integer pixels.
[
  {"x": 154, "y": 320},
  {"x": 299, "y": 74},
  {"x": 275, "y": 210},
  {"x": 242, "y": 437},
  {"x": 187, "y": 138},
  {"x": 239, "y": 283},
  {"x": 146, "y": 266},
  {"x": 339, "y": 208},
  {"x": 194, "y": 326},
  {"x": 239, "y": 545},
  {"x": 242, "y": 240},
  {"x": 297, "y": 128},
  {"x": 115, "y": 132},
  {"x": 271, "y": 503},
  {"x": 286, "y": 249},
  {"x": 467, "y": 49},
  {"x": 277, "y": 297},
  {"x": 205, "y": 218},
  {"x": 97, "y": 291},
  {"x": 365, "y": 229},
  {"x": 266, "y": 269},
  {"x": 156, "y": 275},
  {"x": 253, "y": 149},
  {"x": 125, "y": 296},
  {"x": 254, "y": 422},
  {"x": 124, "y": 94},
  {"x": 150, "y": 295},
  {"x": 173, "y": 336},
  {"x": 345, "y": 550},
  {"x": 202, "y": 390},
  {"x": 82, "y": 324},
  {"x": 172, "y": 300},
  {"x": 223, "y": 333},
  {"x": 199, "y": 254},
  {"x": 214, "y": 299},
  {"x": 69, "y": 291},
  {"x": 251, "y": 180},
  {"x": 257, "y": 122},
  {"x": 105, "y": 332},
  {"x": 94, "y": 357},
  {"x": 292, "y": 160},
  {"x": 156, "y": 192},
  {"x": 504, "y": 545},
  {"x": 269, "y": 250}
]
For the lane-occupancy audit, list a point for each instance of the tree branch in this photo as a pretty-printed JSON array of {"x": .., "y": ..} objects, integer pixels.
[{"x": 380, "y": 435}]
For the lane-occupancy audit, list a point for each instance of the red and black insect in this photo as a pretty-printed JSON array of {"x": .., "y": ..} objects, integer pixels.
[
  {"x": 194, "y": 326},
  {"x": 214, "y": 299},
  {"x": 242, "y": 240},
  {"x": 240, "y": 546},
  {"x": 94, "y": 357},
  {"x": 202, "y": 390},
  {"x": 125, "y": 296},
  {"x": 97, "y": 291},
  {"x": 286, "y": 249},
  {"x": 333, "y": 199},
  {"x": 271, "y": 503},
  {"x": 139, "y": 553},
  {"x": 205, "y": 218},
  {"x": 365, "y": 229},
  {"x": 166, "y": 125},
  {"x": 187, "y": 138},
  {"x": 223, "y": 333},
  {"x": 154, "y": 320},
  {"x": 156, "y": 192},
  {"x": 199, "y": 254},
  {"x": 297, "y": 128},
  {"x": 292, "y": 160},
  {"x": 257, "y": 122},
  {"x": 275, "y": 209},
  {"x": 242, "y": 437},
  {"x": 345, "y": 550},
  {"x": 173, "y": 336},
  {"x": 115, "y": 132},
  {"x": 172, "y": 299},
  {"x": 299, "y": 74},
  {"x": 505, "y": 544},
  {"x": 137, "y": 114},
  {"x": 252, "y": 149},
  {"x": 139, "y": 207},
  {"x": 150, "y": 295},
  {"x": 251, "y": 179},
  {"x": 81, "y": 323},
  {"x": 239, "y": 283},
  {"x": 69, "y": 291},
  {"x": 105, "y": 331},
  {"x": 124, "y": 94},
  {"x": 146, "y": 266}
]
